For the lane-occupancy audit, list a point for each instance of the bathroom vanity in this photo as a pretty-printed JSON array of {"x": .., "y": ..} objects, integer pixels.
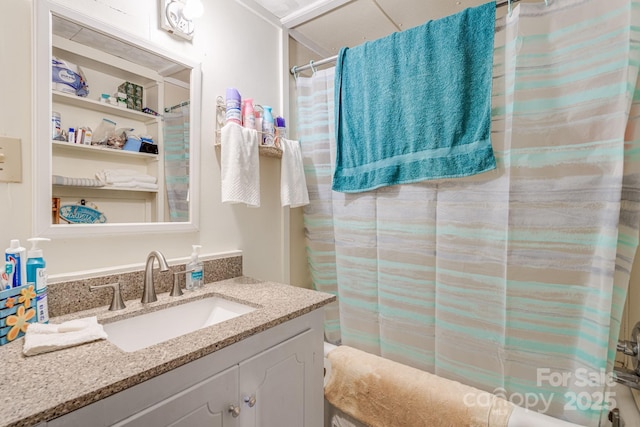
[{"x": 261, "y": 368}]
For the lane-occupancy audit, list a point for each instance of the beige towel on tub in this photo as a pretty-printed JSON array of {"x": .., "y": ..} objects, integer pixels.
[{"x": 383, "y": 393}]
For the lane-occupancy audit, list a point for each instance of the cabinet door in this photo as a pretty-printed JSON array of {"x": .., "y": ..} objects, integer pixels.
[
  {"x": 204, "y": 404},
  {"x": 273, "y": 388}
]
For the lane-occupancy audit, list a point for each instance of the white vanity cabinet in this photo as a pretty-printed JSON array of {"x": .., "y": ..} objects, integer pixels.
[
  {"x": 208, "y": 403},
  {"x": 273, "y": 378}
]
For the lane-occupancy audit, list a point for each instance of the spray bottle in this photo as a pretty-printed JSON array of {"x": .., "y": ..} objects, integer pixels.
[
  {"x": 248, "y": 115},
  {"x": 194, "y": 277},
  {"x": 37, "y": 276},
  {"x": 267, "y": 126}
]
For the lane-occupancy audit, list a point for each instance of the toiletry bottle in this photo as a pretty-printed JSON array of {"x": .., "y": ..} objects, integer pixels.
[
  {"x": 257, "y": 114},
  {"x": 6, "y": 276},
  {"x": 56, "y": 128},
  {"x": 16, "y": 256},
  {"x": 248, "y": 118},
  {"x": 37, "y": 276},
  {"x": 233, "y": 105},
  {"x": 281, "y": 130},
  {"x": 194, "y": 278},
  {"x": 267, "y": 126}
]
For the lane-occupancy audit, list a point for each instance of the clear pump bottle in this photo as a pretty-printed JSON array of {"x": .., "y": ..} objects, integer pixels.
[{"x": 195, "y": 276}]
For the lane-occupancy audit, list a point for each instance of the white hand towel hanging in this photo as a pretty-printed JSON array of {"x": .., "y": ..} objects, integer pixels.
[
  {"x": 240, "y": 165},
  {"x": 293, "y": 185}
]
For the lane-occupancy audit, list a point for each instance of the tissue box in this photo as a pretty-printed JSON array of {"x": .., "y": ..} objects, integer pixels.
[{"x": 17, "y": 310}]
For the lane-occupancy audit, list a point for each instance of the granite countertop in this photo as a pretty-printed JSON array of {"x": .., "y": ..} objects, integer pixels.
[{"x": 42, "y": 387}]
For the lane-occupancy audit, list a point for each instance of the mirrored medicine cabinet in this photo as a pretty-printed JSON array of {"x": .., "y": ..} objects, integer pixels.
[{"x": 135, "y": 169}]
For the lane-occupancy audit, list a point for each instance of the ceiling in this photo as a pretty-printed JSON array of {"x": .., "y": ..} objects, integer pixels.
[{"x": 324, "y": 26}]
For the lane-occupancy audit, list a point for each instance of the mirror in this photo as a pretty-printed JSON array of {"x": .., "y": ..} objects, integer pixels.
[{"x": 117, "y": 130}]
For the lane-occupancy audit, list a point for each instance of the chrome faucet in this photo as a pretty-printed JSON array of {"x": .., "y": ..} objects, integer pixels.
[
  {"x": 629, "y": 377},
  {"x": 149, "y": 289}
]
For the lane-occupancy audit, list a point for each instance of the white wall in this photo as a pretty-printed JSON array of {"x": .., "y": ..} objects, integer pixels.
[{"x": 236, "y": 48}]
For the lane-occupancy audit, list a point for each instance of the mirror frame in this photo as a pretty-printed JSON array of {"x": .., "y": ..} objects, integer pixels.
[{"x": 42, "y": 151}]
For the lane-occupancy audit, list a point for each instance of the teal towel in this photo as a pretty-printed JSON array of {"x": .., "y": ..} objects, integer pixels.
[{"x": 416, "y": 105}]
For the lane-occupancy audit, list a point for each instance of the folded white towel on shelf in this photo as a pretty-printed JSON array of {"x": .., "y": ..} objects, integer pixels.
[
  {"x": 112, "y": 176},
  {"x": 121, "y": 172},
  {"x": 240, "y": 165},
  {"x": 135, "y": 184},
  {"x": 42, "y": 338},
  {"x": 130, "y": 178},
  {"x": 293, "y": 185},
  {"x": 76, "y": 182},
  {"x": 146, "y": 185}
]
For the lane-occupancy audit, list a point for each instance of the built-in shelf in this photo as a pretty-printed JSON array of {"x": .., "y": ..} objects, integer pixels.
[
  {"x": 107, "y": 188},
  {"x": 264, "y": 150},
  {"x": 79, "y": 101},
  {"x": 99, "y": 150}
]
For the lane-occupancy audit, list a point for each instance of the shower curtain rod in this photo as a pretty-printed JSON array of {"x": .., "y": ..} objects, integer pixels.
[{"x": 297, "y": 68}]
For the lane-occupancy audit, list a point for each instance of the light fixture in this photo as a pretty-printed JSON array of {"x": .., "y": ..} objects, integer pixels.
[{"x": 176, "y": 16}]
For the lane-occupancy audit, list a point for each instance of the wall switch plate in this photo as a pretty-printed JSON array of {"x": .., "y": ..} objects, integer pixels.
[{"x": 10, "y": 159}]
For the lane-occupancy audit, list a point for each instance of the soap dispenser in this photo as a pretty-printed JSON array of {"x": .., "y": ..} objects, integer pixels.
[
  {"x": 195, "y": 268},
  {"x": 37, "y": 276}
]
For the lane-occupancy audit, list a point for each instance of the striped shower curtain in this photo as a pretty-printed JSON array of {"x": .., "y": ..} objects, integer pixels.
[
  {"x": 511, "y": 281},
  {"x": 176, "y": 161}
]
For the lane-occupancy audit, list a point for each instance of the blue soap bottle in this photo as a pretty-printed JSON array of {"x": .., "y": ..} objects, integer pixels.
[{"x": 37, "y": 276}]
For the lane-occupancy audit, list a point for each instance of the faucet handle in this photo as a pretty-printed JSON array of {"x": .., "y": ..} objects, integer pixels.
[
  {"x": 176, "y": 291},
  {"x": 116, "y": 302},
  {"x": 629, "y": 348}
]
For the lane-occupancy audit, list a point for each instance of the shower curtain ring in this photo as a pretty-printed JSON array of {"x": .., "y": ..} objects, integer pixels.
[
  {"x": 294, "y": 71},
  {"x": 312, "y": 67}
]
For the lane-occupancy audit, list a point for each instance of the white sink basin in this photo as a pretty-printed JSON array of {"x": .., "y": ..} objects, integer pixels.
[{"x": 152, "y": 328}]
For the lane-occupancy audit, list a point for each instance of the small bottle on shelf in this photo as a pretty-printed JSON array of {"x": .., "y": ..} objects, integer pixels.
[
  {"x": 233, "y": 106},
  {"x": 281, "y": 130},
  {"x": 267, "y": 126},
  {"x": 248, "y": 117}
]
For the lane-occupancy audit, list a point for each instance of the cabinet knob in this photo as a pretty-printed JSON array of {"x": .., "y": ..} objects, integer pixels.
[
  {"x": 234, "y": 411},
  {"x": 251, "y": 401}
]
